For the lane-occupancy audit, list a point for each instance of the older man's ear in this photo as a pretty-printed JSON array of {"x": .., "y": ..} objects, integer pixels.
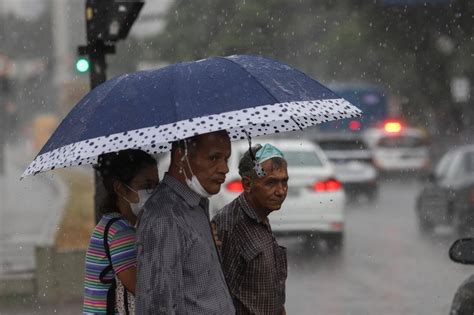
[{"x": 247, "y": 183}]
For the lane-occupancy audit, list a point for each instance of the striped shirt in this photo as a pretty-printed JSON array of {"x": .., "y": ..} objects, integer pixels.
[
  {"x": 178, "y": 265},
  {"x": 254, "y": 264},
  {"x": 121, "y": 239}
]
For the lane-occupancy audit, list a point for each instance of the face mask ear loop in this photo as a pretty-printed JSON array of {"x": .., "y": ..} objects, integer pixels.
[
  {"x": 185, "y": 157},
  {"x": 126, "y": 198},
  {"x": 119, "y": 195},
  {"x": 131, "y": 188}
]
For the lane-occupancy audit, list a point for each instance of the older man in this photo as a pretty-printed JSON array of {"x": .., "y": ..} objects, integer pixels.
[
  {"x": 254, "y": 264},
  {"x": 178, "y": 265}
]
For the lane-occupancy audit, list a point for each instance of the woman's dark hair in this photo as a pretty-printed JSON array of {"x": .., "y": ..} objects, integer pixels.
[{"x": 122, "y": 166}]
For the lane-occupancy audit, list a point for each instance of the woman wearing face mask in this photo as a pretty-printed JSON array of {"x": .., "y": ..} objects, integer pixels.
[{"x": 129, "y": 177}]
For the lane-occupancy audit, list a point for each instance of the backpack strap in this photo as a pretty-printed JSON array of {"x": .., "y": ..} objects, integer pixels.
[{"x": 109, "y": 268}]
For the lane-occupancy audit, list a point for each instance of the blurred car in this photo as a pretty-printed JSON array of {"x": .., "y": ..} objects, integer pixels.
[
  {"x": 462, "y": 251},
  {"x": 315, "y": 204},
  {"x": 314, "y": 207},
  {"x": 397, "y": 147},
  {"x": 447, "y": 196},
  {"x": 353, "y": 164}
]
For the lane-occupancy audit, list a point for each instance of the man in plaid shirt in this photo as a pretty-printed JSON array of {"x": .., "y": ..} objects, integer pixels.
[
  {"x": 179, "y": 270},
  {"x": 254, "y": 265}
]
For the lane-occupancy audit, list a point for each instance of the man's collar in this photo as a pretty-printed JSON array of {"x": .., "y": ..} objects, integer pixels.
[
  {"x": 248, "y": 209},
  {"x": 190, "y": 197}
]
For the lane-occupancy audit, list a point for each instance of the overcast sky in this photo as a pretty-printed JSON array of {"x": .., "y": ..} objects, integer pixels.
[{"x": 22, "y": 8}]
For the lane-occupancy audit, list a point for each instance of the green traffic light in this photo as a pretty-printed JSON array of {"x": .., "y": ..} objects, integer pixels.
[{"x": 82, "y": 65}]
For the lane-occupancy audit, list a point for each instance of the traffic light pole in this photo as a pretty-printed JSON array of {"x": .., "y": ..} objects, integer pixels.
[
  {"x": 97, "y": 52},
  {"x": 107, "y": 21},
  {"x": 98, "y": 74}
]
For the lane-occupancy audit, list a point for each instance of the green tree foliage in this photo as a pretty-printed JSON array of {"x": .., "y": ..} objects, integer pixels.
[
  {"x": 211, "y": 27},
  {"x": 398, "y": 46},
  {"x": 421, "y": 36}
]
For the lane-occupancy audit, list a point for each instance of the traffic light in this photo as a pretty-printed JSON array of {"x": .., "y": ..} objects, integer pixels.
[
  {"x": 110, "y": 21},
  {"x": 82, "y": 65},
  {"x": 107, "y": 21}
]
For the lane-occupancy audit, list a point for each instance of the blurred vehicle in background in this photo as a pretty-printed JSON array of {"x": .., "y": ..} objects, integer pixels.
[
  {"x": 314, "y": 207},
  {"x": 397, "y": 147},
  {"x": 353, "y": 163},
  {"x": 447, "y": 197},
  {"x": 371, "y": 99},
  {"x": 462, "y": 251},
  {"x": 315, "y": 204}
]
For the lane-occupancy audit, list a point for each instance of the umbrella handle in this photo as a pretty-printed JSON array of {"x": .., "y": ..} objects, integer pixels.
[{"x": 257, "y": 166}]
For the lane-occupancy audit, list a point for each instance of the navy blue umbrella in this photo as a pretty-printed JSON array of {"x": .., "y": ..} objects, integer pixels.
[{"x": 149, "y": 110}]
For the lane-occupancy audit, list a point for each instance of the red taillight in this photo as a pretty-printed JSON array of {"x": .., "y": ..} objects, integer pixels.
[
  {"x": 319, "y": 186},
  {"x": 235, "y": 186},
  {"x": 328, "y": 185},
  {"x": 333, "y": 185},
  {"x": 354, "y": 125},
  {"x": 337, "y": 226},
  {"x": 471, "y": 197}
]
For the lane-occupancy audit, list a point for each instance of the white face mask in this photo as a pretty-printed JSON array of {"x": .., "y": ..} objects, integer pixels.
[
  {"x": 194, "y": 184},
  {"x": 143, "y": 196}
]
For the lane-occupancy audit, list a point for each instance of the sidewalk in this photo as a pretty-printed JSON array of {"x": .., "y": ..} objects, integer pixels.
[
  {"x": 30, "y": 211},
  {"x": 34, "y": 308}
]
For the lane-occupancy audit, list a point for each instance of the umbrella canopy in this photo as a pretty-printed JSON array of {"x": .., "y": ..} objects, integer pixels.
[{"x": 149, "y": 110}]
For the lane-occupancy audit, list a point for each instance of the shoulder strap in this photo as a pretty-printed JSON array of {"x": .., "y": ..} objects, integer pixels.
[
  {"x": 109, "y": 268},
  {"x": 107, "y": 252},
  {"x": 106, "y": 236}
]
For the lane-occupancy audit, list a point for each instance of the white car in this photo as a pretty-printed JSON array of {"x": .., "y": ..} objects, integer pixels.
[
  {"x": 353, "y": 163},
  {"x": 315, "y": 204},
  {"x": 399, "y": 149},
  {"x": 314, "y": 207}
]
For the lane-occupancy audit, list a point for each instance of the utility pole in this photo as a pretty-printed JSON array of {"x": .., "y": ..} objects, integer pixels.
[
  {"x": 5, "y": 94},
  {"x": 61, "y": 48},
  {"x": 4, "y": 91},
  {"x": 107, "y": 21}
]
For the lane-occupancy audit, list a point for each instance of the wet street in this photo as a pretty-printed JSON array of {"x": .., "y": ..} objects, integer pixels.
[{"x": 387, "y": 266}]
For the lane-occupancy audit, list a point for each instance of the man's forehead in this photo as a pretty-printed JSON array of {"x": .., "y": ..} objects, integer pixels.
[
  {"x": 213, "y": 141},
  {"x": 272, "y": 170}
]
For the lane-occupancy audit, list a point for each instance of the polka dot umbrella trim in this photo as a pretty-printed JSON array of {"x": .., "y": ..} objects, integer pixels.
[{"x": 115, "y": 116}]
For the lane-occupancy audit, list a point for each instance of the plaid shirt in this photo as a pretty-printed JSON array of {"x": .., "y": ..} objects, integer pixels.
[
  {"x": 254, "y": 264},
  {"x": 178, "y": 265}
]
